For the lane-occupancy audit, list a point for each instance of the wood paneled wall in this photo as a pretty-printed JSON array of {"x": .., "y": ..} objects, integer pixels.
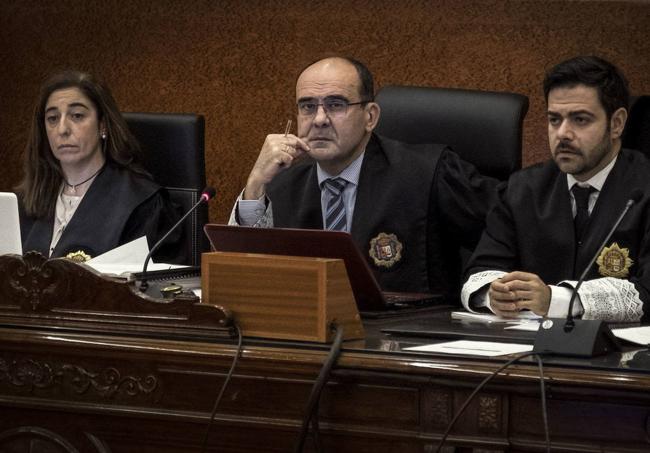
[{"x": 235, "y": 61}]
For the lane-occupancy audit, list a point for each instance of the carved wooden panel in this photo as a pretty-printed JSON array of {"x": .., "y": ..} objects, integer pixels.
[
  {"x": 34, "y": 439},
  {"x": 36, "y": 292},
  {"x": 489, "y": 413},
  {"x": 439, "y": 404},
  {"x": 26, "y": 375}
]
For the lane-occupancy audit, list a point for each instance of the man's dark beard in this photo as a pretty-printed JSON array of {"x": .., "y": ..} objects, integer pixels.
[{"x": 603, "y": 144}]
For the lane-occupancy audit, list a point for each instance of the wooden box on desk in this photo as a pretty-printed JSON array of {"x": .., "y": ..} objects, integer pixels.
[{"x": 286, "y": 297}]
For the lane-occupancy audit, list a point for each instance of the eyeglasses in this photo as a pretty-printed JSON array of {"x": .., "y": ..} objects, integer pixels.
[{"x": 332, "y": 106}]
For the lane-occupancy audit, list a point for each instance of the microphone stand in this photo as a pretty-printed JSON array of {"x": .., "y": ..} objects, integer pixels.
[
  {"x": 207, "y": 194},
  {"x": 581, "y": 337},
  {"x": 570, "y": 321}
]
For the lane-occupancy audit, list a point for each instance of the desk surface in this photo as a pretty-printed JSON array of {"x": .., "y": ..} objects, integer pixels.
[{"x": 71, "y": 388}]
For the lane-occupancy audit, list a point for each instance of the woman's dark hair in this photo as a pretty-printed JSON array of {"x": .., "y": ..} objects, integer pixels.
[
  {"x": 42, "y": 171},
  {"x": 595, "y": 72}
]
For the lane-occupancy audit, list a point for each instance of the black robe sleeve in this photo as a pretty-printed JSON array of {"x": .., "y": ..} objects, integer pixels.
[
  {"x": 463, "y": 198},
  {"x": 153, "y": 218}
]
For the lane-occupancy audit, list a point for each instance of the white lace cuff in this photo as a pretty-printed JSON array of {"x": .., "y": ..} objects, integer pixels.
[
  {"x": 609, "y": 299},
  {"x": 475, "y": 282}
]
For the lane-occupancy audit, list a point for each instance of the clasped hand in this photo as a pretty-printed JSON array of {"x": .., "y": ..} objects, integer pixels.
[{"x": 518, "y": 290}]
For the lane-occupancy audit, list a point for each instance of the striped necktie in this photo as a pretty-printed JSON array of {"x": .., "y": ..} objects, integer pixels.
[{"x": 335, "y": 209}]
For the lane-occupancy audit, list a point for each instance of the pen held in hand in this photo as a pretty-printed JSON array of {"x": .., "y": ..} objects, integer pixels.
[{"x": 286, "y": 146}]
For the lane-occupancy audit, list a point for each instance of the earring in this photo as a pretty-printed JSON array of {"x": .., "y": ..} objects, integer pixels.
[{"x": 103, "y": 135}]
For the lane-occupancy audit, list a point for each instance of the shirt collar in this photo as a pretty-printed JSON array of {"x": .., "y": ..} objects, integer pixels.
[
  {"x": 597, "y": 181},
  {"x": 349, "y": 173}
]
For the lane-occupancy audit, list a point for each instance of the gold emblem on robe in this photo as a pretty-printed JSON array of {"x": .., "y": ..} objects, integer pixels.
[
  {"x": 614, "y": 261},
  {"x": 385, "y": 250},
  {"x": 78, "y": 257}
]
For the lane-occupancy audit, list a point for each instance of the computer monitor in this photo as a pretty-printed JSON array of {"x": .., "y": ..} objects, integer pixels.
[
  {"x": 10, "y": 240},
  {"x": 314, "y": 243}
]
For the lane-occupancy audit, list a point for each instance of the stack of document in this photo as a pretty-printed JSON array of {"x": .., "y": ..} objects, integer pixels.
[
  {"x": 127, "y": 259},
  {"x": 637, "y": 335},
  {"x": 468, "y": 347},
  {"x": 527, "y": 320}
]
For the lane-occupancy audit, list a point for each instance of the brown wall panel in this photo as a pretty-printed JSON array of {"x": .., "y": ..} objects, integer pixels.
[{"x": 236, "y": 61}]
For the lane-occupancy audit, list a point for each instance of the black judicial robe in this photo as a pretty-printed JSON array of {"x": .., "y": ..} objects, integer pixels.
[
  {"x": 424, "y": 195},
  {"x": 531, "y": 226},
  {"x": 118, "y": 207}
]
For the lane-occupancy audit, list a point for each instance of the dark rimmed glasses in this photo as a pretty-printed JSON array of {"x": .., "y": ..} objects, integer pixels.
[{"x": 332, "y": 106}]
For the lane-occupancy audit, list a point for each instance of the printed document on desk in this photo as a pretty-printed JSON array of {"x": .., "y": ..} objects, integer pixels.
[
  {"x": 468, "y": 347},
  {"x": 524, "y": 316},
  {"x": 637, "y": 335},
  {"x": 126, "y": 259}
]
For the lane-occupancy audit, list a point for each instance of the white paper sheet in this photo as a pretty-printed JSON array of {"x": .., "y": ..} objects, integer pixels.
[
  {"x": 482, "y": 348},
  {"x": 132, "y": 252},
  {"x": 490, "y": 318},
  {"x": 127, "y": 258},
  {"x": 529, "y": 326},
  {"x": 131, "y": 268},
  {"x": 637, "y": 335}
]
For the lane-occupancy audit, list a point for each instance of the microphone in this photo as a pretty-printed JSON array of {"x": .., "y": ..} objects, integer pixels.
[
  {"x": 207, "y": 194},
  {"x": 634, "y": 198},
  {"x": 582, "y": 337}
]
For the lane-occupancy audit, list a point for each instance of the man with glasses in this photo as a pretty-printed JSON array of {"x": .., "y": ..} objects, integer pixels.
[{"x": 408, "y": 207}]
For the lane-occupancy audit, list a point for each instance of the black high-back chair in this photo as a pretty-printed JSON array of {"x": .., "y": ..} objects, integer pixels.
[
  {"x": 174, "y": 153},
  {"x": 483, "y": 127},
  {"x": 637, "y": 130}
]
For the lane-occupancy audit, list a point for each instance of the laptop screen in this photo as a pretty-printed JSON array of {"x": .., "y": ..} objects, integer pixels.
[
  {"x": 10, "y": 241},
  {"x": 309, "y": 243}
]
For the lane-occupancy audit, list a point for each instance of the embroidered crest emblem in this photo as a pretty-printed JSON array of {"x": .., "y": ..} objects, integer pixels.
[
  {"x": 614, "y": 261},
  {"x": 78, "y": 257},
  {"x": 385, "y": 250}
]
